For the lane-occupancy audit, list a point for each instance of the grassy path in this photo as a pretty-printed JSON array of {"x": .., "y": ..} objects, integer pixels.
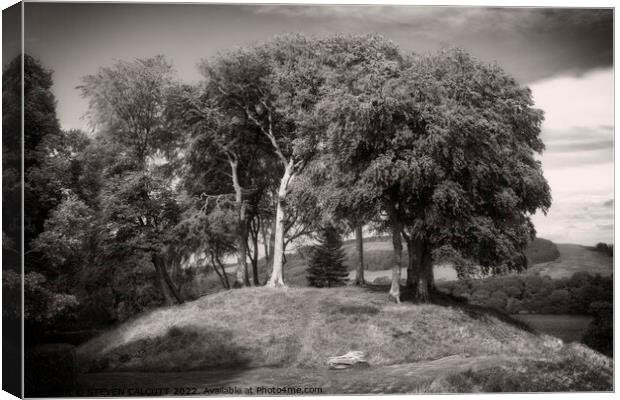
[{"x": 403, "y": 378}]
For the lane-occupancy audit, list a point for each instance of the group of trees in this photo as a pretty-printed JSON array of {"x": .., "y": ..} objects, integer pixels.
[
  {"x": 278, "y": 141},
  {"x": 536, "y": 294}
]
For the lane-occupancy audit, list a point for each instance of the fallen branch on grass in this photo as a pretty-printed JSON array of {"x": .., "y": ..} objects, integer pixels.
[{"x": 351, "y": 359}]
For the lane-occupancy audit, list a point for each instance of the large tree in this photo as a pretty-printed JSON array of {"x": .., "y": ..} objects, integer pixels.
[
  {"x": 274, "y": 86},
  {"x": 133, "y": 103},
  {"x": 474, "y": 180},
  {"x": 448, "y": 144}
]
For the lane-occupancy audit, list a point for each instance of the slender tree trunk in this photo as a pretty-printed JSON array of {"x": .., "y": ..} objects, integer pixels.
[
  {"x": 255, "y": 265},
  {"x": 219, "y": 262},
  {"x": 254, "y": 258},
  {"x": 396, "y": 259},
  {"x": 359, "y": 241},
  {"x": 272, "y": 242},
  {"x": 219, "y": 274},
  {"x": 278, "y": 251},
  {"x": 241, "y": 275},
  {"x": 266, "y": 241}
]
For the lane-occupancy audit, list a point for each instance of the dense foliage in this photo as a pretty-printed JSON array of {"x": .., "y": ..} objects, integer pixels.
[
  {"x": 536, "y": 294},
  {"x": 46, "y": 172}
]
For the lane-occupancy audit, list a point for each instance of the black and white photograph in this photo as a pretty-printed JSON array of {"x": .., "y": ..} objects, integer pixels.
[{"x": 220, "y": 199}]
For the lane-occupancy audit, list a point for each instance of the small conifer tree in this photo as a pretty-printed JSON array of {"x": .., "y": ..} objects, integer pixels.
[{"x": 326, "y": 267}]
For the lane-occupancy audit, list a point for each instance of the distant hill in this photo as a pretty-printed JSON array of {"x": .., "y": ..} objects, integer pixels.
[
  {"x": 545, "y": 258},
  {"x": 575, "y": 258},
  {"x": 378, "y": 251}
]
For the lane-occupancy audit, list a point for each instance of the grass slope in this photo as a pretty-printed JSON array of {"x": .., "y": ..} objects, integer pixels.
[{"x": 302, "y": 327}]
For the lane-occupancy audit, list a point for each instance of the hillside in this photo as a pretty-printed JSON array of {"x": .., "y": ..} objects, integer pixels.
[
  {"x": 575, "y": 258},
  {"x": 546, "y": 258},
  {"x": 300, "y": 328}
]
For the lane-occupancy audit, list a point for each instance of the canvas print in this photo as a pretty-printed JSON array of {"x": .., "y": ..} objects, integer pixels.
[{"x": 227, "y": 199}]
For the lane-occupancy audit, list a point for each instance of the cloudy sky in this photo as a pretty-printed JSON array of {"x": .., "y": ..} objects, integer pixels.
[{"x": 564, "y": 55}]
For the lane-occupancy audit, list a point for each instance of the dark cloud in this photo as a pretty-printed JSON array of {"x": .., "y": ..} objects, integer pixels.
[
  {"x": 74, "y": 39},
  {"x": 532, "y": 43}
]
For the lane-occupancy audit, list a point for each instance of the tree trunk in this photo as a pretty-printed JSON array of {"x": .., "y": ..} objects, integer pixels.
[
  {"x": 278, "y": 251},
  {"x": 161, "y": 282},
  {"x": 241, "y": 275},
  {"x": 396, "y": 259},
  {"x": 359, "y": 241},
  {"x": 414, "y": 248},
  {"x": 219, "y": 274},
  {"x": 266, "y": 241},
  {"x": 254, "y": 259},
  {"x": 272, "y": 243},
  {"x": 426, "y": 277},
  {"x": 160, "y": 267}
]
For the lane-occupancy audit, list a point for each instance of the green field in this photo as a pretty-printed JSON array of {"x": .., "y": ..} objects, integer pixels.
[{"x": 575, "y": 258}]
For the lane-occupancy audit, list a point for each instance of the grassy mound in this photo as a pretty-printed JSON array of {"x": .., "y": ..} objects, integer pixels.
[{"x": 295, "y": 327}]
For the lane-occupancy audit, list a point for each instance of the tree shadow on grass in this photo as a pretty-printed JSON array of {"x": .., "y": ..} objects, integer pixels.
[
  {"x": 475, "y": 311},
  {"x": 447, "y": 300},
  {"x": 181, "y": 348}
]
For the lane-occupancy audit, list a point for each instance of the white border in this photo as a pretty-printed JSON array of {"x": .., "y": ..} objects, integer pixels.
[{"x": 483, "y": 3}]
